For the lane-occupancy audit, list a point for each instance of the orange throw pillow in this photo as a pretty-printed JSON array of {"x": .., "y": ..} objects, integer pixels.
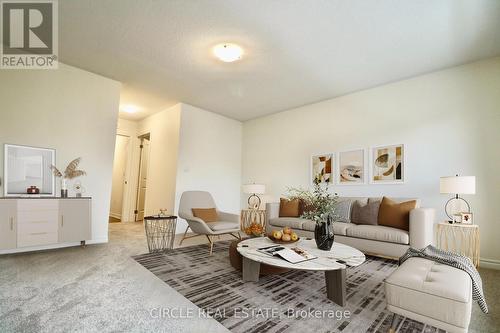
[
  {"x": 206, "y": 214},
  {"x": 289, "y": 208},
  {"x": 395, "y": 215}
]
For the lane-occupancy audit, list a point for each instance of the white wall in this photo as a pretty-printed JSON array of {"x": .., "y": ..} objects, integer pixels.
[
  {"x": 73, "y": 111},
  {"x": 449, "y": 122},
  {"x": 209, "y": 158},
  {"x": 164, "y": 129}
]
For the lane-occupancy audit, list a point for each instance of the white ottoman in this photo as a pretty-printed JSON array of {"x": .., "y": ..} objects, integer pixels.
[{"x": 435, "y": 294}]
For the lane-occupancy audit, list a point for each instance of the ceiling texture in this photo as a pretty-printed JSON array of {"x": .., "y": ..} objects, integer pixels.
[{"x": 297, "y": 52}]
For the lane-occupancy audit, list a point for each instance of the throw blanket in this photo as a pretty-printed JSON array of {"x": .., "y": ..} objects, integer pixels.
[{"x": 453, "y": 260}]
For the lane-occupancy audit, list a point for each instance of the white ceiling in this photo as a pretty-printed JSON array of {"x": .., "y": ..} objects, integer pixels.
[{"x": 296, "y": 51}]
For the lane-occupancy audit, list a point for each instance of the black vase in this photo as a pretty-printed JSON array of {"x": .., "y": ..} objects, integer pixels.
[{"x": 323, "y": 235}]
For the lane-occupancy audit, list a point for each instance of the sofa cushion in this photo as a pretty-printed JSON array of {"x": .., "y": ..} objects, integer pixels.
[
  {"x": 206, "y": 214},
  {"x": 308, "y": 225},
  {"x": 365, "y": 214},
  {"x": 342, "y": 210},
  {"x": 395, "y": 215},
  {"x": 379, "y": 233},
  {"x": 303, "y": 207},
  {"x": 341, "y": 228},
  {"x": 433, "y": 290},
  {"x": 398, "y": 200},
  {"x": 289, "y": 208},
  {"x": 292, "y": 222}
]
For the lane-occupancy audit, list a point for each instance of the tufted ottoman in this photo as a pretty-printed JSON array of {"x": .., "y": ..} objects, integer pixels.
[{"x": 432, "y": 293}]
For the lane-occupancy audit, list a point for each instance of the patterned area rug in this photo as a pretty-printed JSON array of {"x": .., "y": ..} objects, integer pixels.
[{"x": 291, "y": 302}]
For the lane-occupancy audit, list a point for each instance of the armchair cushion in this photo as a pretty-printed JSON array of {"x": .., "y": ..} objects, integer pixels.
[
  {"x": 222, "y": 225},
  {"x": 206, "y": 214}
]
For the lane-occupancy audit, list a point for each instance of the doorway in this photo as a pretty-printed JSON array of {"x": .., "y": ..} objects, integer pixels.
[
  {"x": 143, "y": 177},
  {"x": 119, "y": 181}
]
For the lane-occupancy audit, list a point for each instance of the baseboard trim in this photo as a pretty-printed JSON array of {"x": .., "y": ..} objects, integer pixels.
[
  {"x": 489, "y": 263},
  {"x": 97, "y": 241},
  {"x": 52, "y": 246}
]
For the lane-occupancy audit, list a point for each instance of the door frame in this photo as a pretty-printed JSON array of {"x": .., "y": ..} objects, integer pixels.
[{"x": 140, "y": 139}]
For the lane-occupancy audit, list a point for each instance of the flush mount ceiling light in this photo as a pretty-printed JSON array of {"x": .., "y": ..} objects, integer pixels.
[
  {"x": 129, "y": 108},
  {"x": 228, "y": 52}
]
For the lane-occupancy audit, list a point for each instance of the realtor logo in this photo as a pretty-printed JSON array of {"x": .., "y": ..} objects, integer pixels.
[{"x": 29, "y": 34}]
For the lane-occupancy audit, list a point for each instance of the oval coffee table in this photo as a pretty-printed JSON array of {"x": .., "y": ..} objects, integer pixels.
[{"x": 327, "y": 261}]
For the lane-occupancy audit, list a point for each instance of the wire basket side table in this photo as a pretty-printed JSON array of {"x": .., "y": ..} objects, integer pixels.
[{"x": 160, "y": 232}]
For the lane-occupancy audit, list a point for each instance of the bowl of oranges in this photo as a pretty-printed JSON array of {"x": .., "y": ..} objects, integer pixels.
[
  {"x": 284, "y": 236},
  {"x": 254, "y": 230}
]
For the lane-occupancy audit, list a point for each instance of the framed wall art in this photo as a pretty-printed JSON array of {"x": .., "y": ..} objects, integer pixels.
[
  {"x": 351, "y": 168},
  {"x": 322, "y": 169},
  {"x": 387, "y": 164}
]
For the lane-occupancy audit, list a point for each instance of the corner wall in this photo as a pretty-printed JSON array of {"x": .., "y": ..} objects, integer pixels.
[
  {"x": 209, "y": 158},
  {"x": 73, "y": 111},
  {"x": 448, "y": 120},
  {"x": 164, "y": 147}
]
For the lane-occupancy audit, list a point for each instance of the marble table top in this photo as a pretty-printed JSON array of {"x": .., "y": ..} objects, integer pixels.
[{"x": 325, "y": 261}]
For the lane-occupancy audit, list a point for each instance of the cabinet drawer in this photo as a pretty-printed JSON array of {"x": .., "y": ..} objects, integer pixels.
[
  {"x": 36, "y": 238},
  {"x": 37, "y": 204},
  {"x": 27, "y": 228},
  {"x": 37, "y": 216}
]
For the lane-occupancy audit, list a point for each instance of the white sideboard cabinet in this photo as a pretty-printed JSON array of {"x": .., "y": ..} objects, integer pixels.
[
  {"x": 38, "y": 223},
  {"x": 8, "y": 225}
]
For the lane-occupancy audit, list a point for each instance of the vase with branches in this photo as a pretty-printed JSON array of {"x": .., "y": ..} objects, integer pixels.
[
  {"x": 71, "y": 172},
  {"x": 318, "y": 205}
]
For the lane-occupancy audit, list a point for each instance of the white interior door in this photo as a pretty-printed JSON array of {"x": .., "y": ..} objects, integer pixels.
[{"x": 119, "y": 171}]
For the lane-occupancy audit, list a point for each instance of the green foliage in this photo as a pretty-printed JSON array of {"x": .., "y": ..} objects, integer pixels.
[{"x": 318, "y": 204}]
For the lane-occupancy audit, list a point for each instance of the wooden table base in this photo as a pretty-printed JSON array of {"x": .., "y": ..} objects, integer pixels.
[
  {"x": 335, "y": 280},
  {"x": 336, "y": 286}
]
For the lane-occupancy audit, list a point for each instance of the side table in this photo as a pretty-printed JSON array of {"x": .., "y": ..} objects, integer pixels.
[
  {"x": 460, "y": 238},
  {"x": 160, "y": 232},
  {"x": 253, "y": 216}
]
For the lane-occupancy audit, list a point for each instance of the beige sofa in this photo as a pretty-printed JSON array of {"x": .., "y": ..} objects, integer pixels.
[{"x": 371, "y": 239}]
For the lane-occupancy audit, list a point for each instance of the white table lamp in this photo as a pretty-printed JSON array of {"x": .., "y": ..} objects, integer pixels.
[
  {"x": 254, "y": 189},
  {"x": 457, "y": 185}
]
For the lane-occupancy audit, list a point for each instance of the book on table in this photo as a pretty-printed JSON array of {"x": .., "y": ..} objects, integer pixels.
[{"x": 293, "y": 255}]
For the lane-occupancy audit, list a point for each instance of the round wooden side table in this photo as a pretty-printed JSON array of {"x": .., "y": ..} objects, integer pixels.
[
  {"x": 160, "y": 232},
  {"x": 459, "y": 238}
]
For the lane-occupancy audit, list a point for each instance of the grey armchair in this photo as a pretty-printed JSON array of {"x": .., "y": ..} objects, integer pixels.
[{"x": 227, "y": 223}]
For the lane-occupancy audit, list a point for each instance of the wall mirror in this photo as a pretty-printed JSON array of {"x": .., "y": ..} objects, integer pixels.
[{"x": 25, "y": 167}]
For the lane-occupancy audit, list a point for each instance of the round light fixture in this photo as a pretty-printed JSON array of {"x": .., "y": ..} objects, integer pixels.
[
  {"x": 228, "y": 52},
  {"x": 129, "y": 108}
]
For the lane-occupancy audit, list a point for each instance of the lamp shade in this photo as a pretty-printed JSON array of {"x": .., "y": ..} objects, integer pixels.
[
  {"x": 254, "y": 188},
  {"x": 458, "y": 185}
]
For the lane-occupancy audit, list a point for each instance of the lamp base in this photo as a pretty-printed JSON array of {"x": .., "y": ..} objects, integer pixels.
[
  {"x": 254, "y": 202},
  {"x": 452, "y": 203}
]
